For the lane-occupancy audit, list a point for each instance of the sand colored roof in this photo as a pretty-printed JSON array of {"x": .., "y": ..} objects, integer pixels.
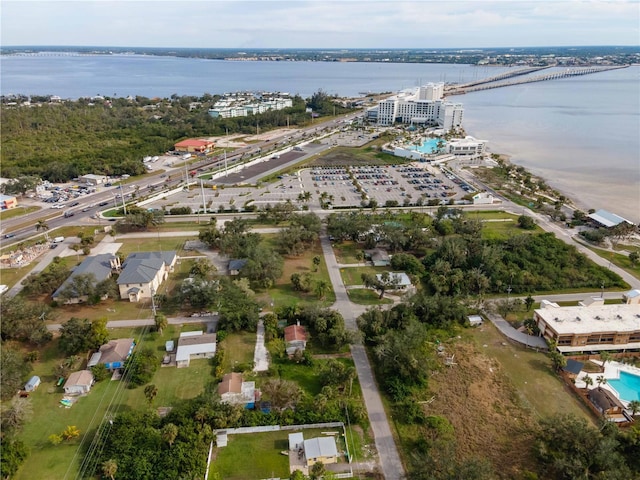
[
  {"x": 231, "y": 383},
  {"x": 83, "y": 377},
  {"x": 294, "y": 332},
  {"x": 116, "y": 350}
]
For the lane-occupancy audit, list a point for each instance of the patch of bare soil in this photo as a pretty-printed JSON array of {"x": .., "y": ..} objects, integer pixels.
[{"x": 483, "y": 407}]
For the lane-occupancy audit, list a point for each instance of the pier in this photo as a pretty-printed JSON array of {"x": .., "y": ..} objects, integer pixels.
[{"x": 493, "y": 82}]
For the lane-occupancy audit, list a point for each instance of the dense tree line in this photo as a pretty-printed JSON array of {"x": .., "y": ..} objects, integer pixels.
[{"x": 61, "y": 141}]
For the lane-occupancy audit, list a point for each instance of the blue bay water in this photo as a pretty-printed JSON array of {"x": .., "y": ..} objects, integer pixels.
[{"x": 581, "y": 134}]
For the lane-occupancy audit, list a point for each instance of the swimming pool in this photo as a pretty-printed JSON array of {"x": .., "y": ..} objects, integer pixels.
[
  {"x": 627, "y": 386},
  {"x": 429, "y": 145}
]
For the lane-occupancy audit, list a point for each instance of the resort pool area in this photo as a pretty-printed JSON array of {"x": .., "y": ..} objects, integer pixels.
[
  {"x": 429, "y": 145},
  {"x": 627, "y": 386}
]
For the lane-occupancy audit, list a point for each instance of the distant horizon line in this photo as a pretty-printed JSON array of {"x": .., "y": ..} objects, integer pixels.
[{"x": 320, "y": 48}]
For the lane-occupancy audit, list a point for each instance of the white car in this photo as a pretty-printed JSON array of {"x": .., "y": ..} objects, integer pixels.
[{"x": 3, "y": 288}]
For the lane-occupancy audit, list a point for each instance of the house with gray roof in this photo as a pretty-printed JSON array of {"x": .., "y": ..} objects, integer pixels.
[
  {"x": 100, "y": 266},
  {"x": 143, "y": 273},
  {"x": 235, "y": 265}
]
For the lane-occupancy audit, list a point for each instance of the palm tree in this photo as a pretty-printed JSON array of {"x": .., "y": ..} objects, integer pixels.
[
  {"x": 109, "y": 468},
  {"x": 150, "y": 392},
  {"x": 41, "y": 225},
  {"x": 161, "y": 322},
  {"x": 588, "y": 381},
  {"x": 601, "y": 380},
  {"x": 605, "y": 357},
  {"x": 634, "y": 406},
  {"x": 321, "y": 289},
  {"x": 316, "y": 263},
  {"x": 169, "y": 433},
  {"x": 70, "y": 432}
]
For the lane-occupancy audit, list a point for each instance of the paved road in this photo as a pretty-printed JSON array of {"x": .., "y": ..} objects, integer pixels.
[
  {"x": 385, "y": 444},
  {"x": 54, "y": 327}
]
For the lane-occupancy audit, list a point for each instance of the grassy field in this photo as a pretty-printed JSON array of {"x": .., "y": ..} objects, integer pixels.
[
  {"x": 18, "y": 211},
  {"x": 353, "y": 275},
  {"x": 131, "y": 245},
  {"x": 11, "y": 276},
  {"x": 365, "y": 155},
  {"x": 282, "y": 293},
  {"x": 346, "y": 252},
  {"x": 266, "y": 460},
  {"x": 530, "y": 373},
  {"x": 239, "y": 348},
  {"x": 617, "y": 259},
  {"x": 364, "y": 296}
]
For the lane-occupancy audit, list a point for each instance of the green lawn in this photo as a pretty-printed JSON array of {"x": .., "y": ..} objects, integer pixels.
[
  {"x": 617, "y": 259},
  {"x": 131, "y": 245},
  {"x": 266, "y": 460},
  {"x": 364, "y": 296},
  {"x": 353, "y": 275},
  {"x": 18, "y": 211},
  {"x": 531, "y": 374},
  {"x": 346, "y": 252},
  {"x": 282, "y": 293},
  {"x": 11, "y": 276},
  {"x": 238, "y": 348}
]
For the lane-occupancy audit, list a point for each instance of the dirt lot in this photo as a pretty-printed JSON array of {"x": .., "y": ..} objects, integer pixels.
[{"x": 482, "y": 405}]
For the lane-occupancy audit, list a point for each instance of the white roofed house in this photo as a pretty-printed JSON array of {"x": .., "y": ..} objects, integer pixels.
[
  {"x": 79, "y": 383},
  {"x": 143, "y": 273},
  {"x": 195, "y": 344}
]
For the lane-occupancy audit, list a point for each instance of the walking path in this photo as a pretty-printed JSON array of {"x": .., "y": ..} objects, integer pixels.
[
  {"x": 260, "y": 356},
  {"x": 508, "y": 331},
  {"x": 385, "y": 444}
]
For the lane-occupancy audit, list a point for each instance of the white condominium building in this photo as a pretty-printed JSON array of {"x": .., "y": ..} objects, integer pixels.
[{"x": 423, "y": 105}]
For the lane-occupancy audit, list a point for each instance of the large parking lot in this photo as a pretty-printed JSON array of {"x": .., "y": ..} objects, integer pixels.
[{"x": 340, "y": 187}]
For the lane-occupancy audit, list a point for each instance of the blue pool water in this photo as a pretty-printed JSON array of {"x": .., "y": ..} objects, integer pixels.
[
  {"x": 429, "y": 145},
  {"x": 628, "y": 386}
]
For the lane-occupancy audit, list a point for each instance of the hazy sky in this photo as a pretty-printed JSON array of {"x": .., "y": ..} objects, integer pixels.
[{"x": 317, "y": 24}]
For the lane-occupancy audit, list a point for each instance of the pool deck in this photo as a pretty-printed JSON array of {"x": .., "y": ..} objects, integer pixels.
[{"x": 611, "y": 372}]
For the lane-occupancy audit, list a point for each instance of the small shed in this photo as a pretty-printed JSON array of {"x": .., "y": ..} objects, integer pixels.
[
  {"x": 475, "y": 320},
  {"x": 296, "y": 441},
  {"x": 32, "y": 384}
]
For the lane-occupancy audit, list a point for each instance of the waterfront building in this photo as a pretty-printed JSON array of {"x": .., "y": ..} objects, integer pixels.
[
  {"x": 424, "y": 105},
  {"x": 590, "y": 328}
]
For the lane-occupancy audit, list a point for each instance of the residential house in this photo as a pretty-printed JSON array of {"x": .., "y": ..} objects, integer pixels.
[
  {"x": 592, "y": 328},
  {"x": 100, "y": 266},
  {"x": 79, "y": 383},
  {"x": 194, "y": 145},
  {"x": 143, "y": 273},
  {"x": 632, "y": 297},
  {"x": 295, "y": 337},
  {"x": 113, "y": 354},
  {"x": 195, "y": 344},
  {"x": 233, "y": 390},
  {"x": 397, "y": 280},
  {"x": 8, "y": 202},
  {"x": 32, "y": 384},
  {"x": 320, "y": 449},
  {"x": 607, "y": 404},
  {"x": 378, "y": 257},
  {"x": 235, "y": 265}
]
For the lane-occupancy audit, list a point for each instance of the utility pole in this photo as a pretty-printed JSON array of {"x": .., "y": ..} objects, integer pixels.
[
  {"x": 124, "y": 205},
  {"x": 153, "y": 301},
  {"x": 204, "y": 204}
]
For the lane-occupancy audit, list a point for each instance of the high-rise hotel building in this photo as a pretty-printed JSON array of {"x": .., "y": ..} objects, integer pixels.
[{"x": 424, "y": 106}]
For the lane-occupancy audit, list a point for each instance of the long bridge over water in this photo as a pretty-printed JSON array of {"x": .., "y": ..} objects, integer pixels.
[{"x": 494, "y": 82}]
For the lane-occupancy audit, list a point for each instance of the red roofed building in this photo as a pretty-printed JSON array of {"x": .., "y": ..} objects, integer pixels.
[
  {"x": 295, "y": 336},
  {"x": 194, "y": 145}
]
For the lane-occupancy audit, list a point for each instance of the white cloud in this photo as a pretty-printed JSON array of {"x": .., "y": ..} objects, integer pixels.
[{"x": 331, "y": 24}]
